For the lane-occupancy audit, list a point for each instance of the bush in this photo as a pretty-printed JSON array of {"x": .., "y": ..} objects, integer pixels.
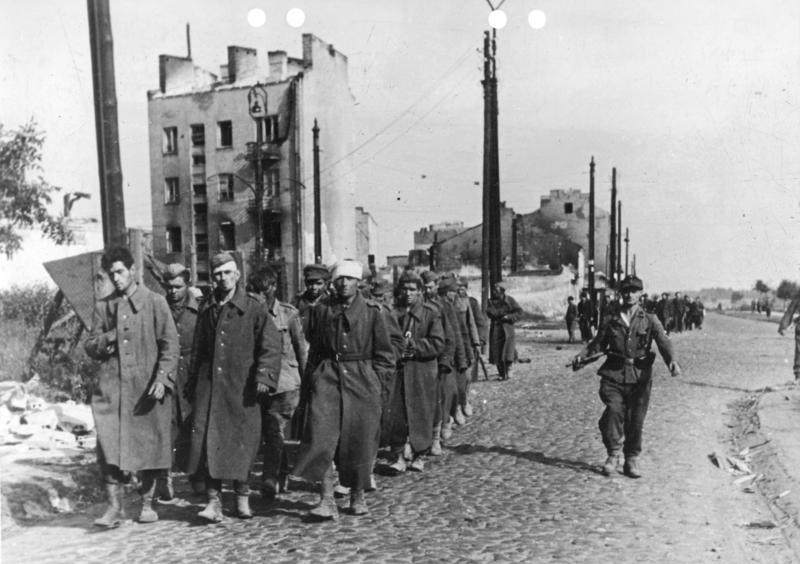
[
  {"x": 64, "y": 369},
  {"x": 26, "y": 303}
]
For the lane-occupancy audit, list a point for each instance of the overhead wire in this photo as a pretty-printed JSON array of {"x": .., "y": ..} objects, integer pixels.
[{"x": 451, "y": 69}]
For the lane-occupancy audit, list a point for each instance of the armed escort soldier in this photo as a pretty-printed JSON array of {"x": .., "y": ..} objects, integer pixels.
[
  {"x": 626, "y": 337},
  {"x": 792, "y": 315}
]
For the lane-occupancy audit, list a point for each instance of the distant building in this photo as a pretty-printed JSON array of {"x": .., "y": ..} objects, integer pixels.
[
  {"x": 427, "y": 236},
  {"x": 366, "y": 236},
  {"x": 560, "y": 227},
  {"x": 202, "y": 147},
  {"x": 553, "y": 235}
]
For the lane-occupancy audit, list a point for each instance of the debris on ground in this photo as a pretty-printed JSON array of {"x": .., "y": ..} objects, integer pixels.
[{"x": 28, "y": 419}]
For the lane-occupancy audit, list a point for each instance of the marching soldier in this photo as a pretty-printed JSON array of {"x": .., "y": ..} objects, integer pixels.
[
  {"x": 134, "y": 337},
  {"x": 626, "y": 337},
  {"x": 184, "y": 306},
  {"x": 237, "y": 361},
  {"x": 503, "y": 311},
  {"x": 316, "y": 278},
  {"x": 350, "y": 356},
  {"x": 792, "y": 315}
]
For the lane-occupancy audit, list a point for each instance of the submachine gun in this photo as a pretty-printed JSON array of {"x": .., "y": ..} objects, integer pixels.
[{"x": 578, "y": 363}]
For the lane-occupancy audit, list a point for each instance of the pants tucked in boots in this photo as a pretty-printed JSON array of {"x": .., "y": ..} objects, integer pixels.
[
  {"x": 147, "y": 492},
  {"x": 327, "y": 508},
  {"x": 115, "y": 512}
]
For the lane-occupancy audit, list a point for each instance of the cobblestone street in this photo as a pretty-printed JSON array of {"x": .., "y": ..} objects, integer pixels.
[{"x": 520, "y": 482}]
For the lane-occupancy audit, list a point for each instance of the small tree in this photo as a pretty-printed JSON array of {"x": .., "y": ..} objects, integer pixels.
[
  {"x": 24, "y": 201},
  {"x": 761, "y": 287},
  {"x": 786, "y": 290},
  {"x": 736, "y": 296}
]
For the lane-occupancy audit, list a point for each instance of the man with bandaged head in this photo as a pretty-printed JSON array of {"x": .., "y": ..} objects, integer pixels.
[{"x": 350, "y": 356}]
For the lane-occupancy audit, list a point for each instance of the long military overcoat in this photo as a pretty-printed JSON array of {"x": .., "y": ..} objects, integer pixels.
[
  {"x": 136, "y": 341},
  {"x": 503, "y": 313},
  {"x": 242, "y": 349},
  {"x": 185, "y": 322},
  {"x": 350, "y": 356},
  {"x": 413, "y": 403}
]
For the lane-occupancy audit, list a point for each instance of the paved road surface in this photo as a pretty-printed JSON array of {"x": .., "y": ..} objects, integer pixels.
[{"x": 520, "y": 482}]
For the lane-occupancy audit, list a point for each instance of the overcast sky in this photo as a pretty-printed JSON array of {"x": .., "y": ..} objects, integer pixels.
[{"x": 694, "y": 102}]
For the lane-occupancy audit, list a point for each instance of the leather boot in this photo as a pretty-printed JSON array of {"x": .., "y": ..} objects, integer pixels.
[
  {"x": 631, "y": 467},
  {"x": 436, "y": 446},
  {"x": 147, "y": 491},
  {"x": 243, "y": 510},
  {"x": 610, "y": 465},
  {"x": 327, "y": 508},
  {"x": 358, "y": 506},
  {"x": 164, "y": 489},
  {"x": 447, "y": 430},
  {"x": 213, "y": 510},
  {"x": 115, "y": 512}
]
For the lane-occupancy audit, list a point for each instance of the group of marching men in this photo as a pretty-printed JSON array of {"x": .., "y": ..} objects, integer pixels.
[{"x": 201, "y": 385}]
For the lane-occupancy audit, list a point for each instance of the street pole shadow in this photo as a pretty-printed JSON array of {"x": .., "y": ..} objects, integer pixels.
[{"x": 538, "y": 457}]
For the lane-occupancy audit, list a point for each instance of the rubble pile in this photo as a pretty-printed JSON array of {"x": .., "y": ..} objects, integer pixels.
[{"x": 28, "y": 419}]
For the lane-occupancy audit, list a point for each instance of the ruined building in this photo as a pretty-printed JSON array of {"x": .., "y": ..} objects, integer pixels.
[
  {"x": 551, "y": 236},
  {"x": 202, "y": 147}
]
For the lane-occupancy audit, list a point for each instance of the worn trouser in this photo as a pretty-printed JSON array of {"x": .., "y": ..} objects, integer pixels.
[
  {"x": 114, "y": 475},
  {"x": 586, "y": 329},
  {"x": 462, "y": 387},
  {"x": 276, "y": 412},
  {"x": 571, "y": 331},
  {"x": 447, "y": 396},
  {"x": 623, "y": 419}
]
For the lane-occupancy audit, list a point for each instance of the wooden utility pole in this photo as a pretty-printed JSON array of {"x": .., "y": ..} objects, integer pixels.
[
  {"x": 619, "y": 240},
  {"x": 112, "y": 204},
  {"x": 591, "y": 232},
  {"x": 317, "y": 199},
  {"x": 496, "y": 250},
  {"x": 627, "y": 240},
  {"x": 491, "y": 234},
  {"x": 611, "y": 265}
]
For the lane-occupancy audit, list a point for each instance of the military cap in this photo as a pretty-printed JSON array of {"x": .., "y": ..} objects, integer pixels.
[
  {"x": 632, "y": 283},
  {"x": 411, "y": 276},
  {"x": 174, "y": 270},
  {"x": 221, "y": 258},
  {"x": 428, "y": 276},
  {"x": 447, "y": 283},
  {"x": 381, "y": 287},
  {"x": 316, "y": 272},
  {"x": 348, "y": 268}
]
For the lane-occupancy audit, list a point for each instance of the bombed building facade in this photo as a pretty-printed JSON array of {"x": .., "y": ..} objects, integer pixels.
[
  {"x": 202, "y": 137},
  {"x": 551, "y": 236}
]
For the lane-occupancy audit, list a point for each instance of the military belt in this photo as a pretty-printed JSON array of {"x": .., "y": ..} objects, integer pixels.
[{"x": 345, "y": 357}]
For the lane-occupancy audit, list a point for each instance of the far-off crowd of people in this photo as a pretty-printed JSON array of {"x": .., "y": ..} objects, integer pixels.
[
  {"x": 677, "y": 313},
  {"x": 364, "y": 376}
]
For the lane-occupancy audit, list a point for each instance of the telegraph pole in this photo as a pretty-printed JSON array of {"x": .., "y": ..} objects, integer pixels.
[
  {"x": 487, "y": 192},
  {"x": 112, "y": 205},
  {"x": 611, "y": 265},
  {"x": 591, "y": 233},
  {"x": 496, "y": 251},
  {"x": 619, "y": 240},
  {"x": 627, "y": 240},
  {"x": 317, "y": 199},
  {"x": 491, "y": 243}
]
